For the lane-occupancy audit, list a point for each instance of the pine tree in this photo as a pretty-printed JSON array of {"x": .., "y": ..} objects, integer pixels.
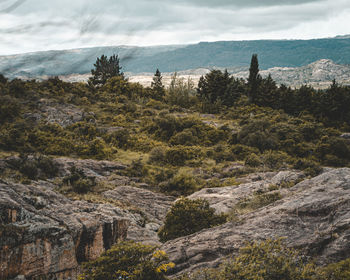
[
  {"x": 105, "y": 69},
  {"x": 254, "y": 78},
  {"x": 157, "y": 85}
]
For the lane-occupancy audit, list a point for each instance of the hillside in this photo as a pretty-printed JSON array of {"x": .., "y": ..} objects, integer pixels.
[
  {"x": 85, "y": 172},
  {"x": 272, "y": 53}
]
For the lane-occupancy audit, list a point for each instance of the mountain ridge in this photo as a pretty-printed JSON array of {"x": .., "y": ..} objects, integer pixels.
[{"x": 170, "y": 58}]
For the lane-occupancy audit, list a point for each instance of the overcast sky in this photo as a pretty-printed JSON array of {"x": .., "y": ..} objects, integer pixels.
[{"x": 34, "y": 25}]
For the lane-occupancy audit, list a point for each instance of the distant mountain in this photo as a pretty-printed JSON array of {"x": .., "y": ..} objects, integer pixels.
[
  {"x": 318, "y": 74},
  {"x": 272, "y": 53}
]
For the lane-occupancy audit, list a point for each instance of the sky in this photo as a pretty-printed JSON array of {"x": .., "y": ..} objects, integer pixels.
[{"x": 37, "y": 25}]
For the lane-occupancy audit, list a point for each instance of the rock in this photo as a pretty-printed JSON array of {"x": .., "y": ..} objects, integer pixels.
[
  {"x": 225, "y": 198},
  {"x": 44, "y": 234},
  {"x": 345, "y": 136},
  {"x": 62, "y": 114},
  {"x": 233, "y": 167},
  {"x": 90, "y": 167},
  {"x": 153, "y": 206},
  {"x": 314, "y": 217}
]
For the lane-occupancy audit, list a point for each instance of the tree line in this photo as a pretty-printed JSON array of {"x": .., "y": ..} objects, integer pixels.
[{"x": 218, "y": 88}]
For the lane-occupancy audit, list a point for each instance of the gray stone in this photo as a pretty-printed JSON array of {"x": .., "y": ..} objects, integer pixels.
[{"x": 314, "y": 217}]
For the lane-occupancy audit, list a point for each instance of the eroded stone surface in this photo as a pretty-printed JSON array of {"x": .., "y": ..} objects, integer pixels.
[
  {"x": 153, "y": 206},
  {"x": 315, "y": 217},
  {"x": 44, "y": 233},
  {"x": 225, "y": 198}
]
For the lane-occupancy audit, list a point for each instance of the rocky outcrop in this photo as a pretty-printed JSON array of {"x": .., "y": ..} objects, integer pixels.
[
  {"x": 62, "y": 114},
  {"x": 345, "y": 136},
  {"x": 43, "y": 233},
  {"x": 100, "y": 169},
  {"x": 225, "y": 198},
  {"x": 314, "y": 217},
  {"x": 153, "y": 207}
]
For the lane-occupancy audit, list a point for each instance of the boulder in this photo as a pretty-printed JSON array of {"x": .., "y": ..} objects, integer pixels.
[
  {"x": 152, "y": 206},
  {"x": 44, "y": 234},
  {"x": 225, "y": 198},
  {"x": 313, "y": 217}
]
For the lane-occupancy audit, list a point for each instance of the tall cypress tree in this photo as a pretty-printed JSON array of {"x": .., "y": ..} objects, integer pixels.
[
  {"x": 157, "y": 85},
  {"x": 254, "y": 78}
]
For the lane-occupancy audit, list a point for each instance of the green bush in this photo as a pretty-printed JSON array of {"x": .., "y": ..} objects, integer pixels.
[
  {"x": 221, "y": 153},
  {"x": 268, "y": 260},
  {"x": 36, "y": 166},
  {"x": 182, "y": 183},
  {"x": 178, "y": 155},
  {"x": 335, "y": 271},
  {"x": 258, "y": 200},
  {"x": 9, "y": 108},
  {"x": 310, "y": 167},
  {"x": 276, "y": 159},
  {"x": 185, "y": 138},
  {"x": 257, "y": 134},
  {"x": 241, "y": 152},
  {"x": 119, "y": 138},
  {"x": 78, "y": 181},
  {"x": 157, "y": 155},
  {"x": 126, "y": 261},
  {"x": 253, "y": 160},
  {"x": 188, "y": 216},
  {"x": 29, "y": 169}
]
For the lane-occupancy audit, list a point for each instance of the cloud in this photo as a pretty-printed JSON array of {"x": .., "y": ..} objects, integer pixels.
[
  {"x": 241, "y": 4},
  {"x": 40, "y": 25}
]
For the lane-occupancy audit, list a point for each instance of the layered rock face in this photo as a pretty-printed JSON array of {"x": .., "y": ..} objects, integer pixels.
[
  {"x": 313, "y": 215},
  {"x": 42, "y": 233},
  {"x": 45, "y": 234},
  {"x": 153, "y": 207}
]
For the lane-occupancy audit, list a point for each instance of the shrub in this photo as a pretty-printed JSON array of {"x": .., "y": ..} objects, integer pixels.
[
  {"x": 310, "y": 167},
  {"x": 183, "y": 183},
  {"x": 335, "y": 271},
  {"x": 128, "y": 260},
  {"x": 257, "y": 134},
  {"x": 240, "y": 152},
  {"x": 188, "y": 216},
  {"x": 275, "y": 159},
  {"x": 37, "y": 166},
  {"x": 253, "y": 160},
  {"x": 157, "y": 155},
  {"x": 178, "y": 155},
  {"x": 47, "y": 166},
  {"x": 222, "y": 153},
  {"x": 259, "y": 200},
  {"x": 271, "y": 260},
  {"x": 136, "y": 169},
  {"x": 268, "y": 260},
  {"x": 185, "y": 138},
  {"x": 29, "y": 169},
  {"x": 119, "y": 138},
  {"x": 9, "y": 108},
  {"x": 79, "y": 182}
]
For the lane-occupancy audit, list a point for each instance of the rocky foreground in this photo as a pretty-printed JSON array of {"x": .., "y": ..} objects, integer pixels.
[
  {"x": 43, "y": 233},
  {"x": 313, "y": 216}
]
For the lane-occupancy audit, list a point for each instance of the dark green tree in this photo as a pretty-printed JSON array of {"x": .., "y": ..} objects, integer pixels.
[
  {"x": 187, "y": 216},
  {"x": 157, "y": 85},
  {"x": 254, "y": 78},
  {"x": 105, "y": 68},
  {"x": 235, "y": 89},
  {"x": 213, "y": 86},
  {"x": 267, "y": 92},
  {"x": 3, "y": 79}
]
